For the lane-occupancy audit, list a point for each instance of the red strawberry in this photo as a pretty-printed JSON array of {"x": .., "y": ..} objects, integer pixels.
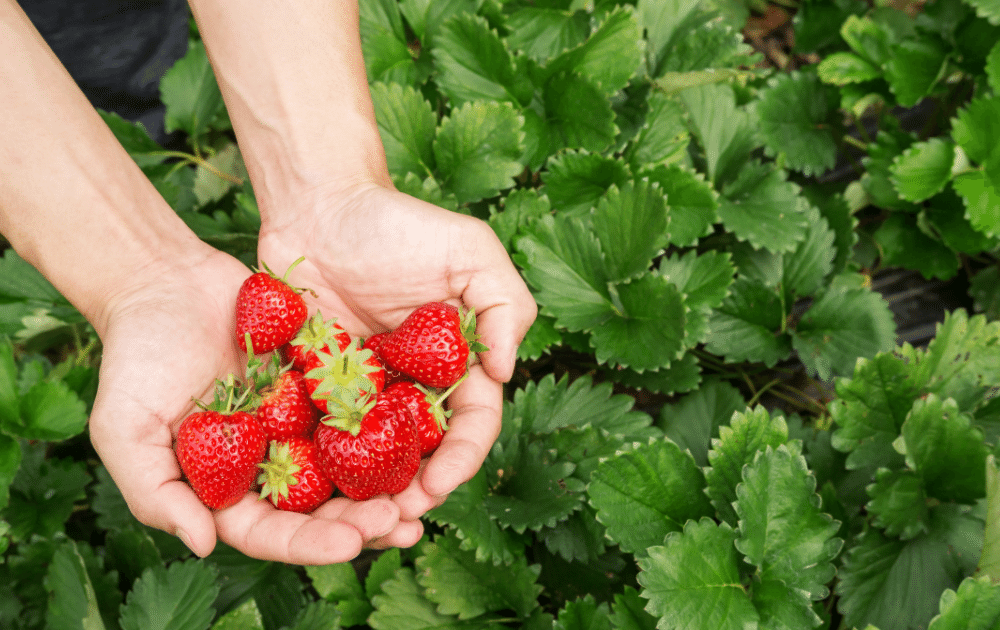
[
  {"x": 291, "y": 477},
  {"x": 268, "y": 310},
  {"x": 368, "y": 448},
  {"x": 285, "y": 409},
  {"x": 314, "y": 336},
  {"x": 219, "y": 452},
  {"x": 427, "y": 409},
  {"x": 432, "y": 345},
  {"x": 373, "y": 343},
  {"x": 353, "y": 369}
]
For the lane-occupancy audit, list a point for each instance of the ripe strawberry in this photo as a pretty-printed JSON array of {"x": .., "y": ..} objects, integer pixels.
[
  {"x": 286, "y": 409},
  {"x": 368, "y": 447},
  {"x": 268, "y": 310},
  {"x": 428, "y": 411},
  {"x": 219, "y": 452},
  {"x": 316, "y": 335},
  {"x": 373, "y": 343},
  {"x": 432, "y": 345},
  {"x": 353, "y": 369},
  {"x": 291, "y": 477}
]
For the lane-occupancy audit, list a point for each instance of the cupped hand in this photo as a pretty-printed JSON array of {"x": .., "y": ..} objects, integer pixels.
[
  {"x": 373, "y": 255},
  {"x": 166, "y": 341}
]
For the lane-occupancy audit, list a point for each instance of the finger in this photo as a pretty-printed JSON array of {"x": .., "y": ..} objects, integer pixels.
[
  {"x": 414, "y": 501},
  {"x": 405, "y": 535},
  {"x": 373, "y": 518},
  {"x": 472, "y": 429},
  {"x": 260, "y": 531}
]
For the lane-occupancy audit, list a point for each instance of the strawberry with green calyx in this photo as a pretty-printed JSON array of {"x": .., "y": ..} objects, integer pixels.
[
  {"x": 353, "y": 368},
  {"x": 291, "y": 477},
  {"x": 269, "y": 310},
  {"x": 285, "y": 408},
  {"x": 219, "y": 446},
  {"x": 427, "y": 407},
  {"x": 368, "y": 447},
  {"x": 433, "y": 345},
  {"x": 316, "y": 335},
  {"x": 373, "y": 343}
]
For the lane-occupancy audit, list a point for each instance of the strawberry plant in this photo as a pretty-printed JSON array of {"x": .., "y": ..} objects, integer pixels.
[{"x": 713, "y": 423}]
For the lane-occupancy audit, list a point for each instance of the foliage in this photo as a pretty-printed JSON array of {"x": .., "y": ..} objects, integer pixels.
[{"x": 712, "y": 423}]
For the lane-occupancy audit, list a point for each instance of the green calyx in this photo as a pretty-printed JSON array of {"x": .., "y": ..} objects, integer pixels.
[
  {"x": 278, "y": 472},
  {"x": 284, "y": 279},
  {"x": 467, "y": 324},
  {"x": 346, "y": 409},
  {"x": 316, "y": 333},
  {"x": 347, "y": 370},
  {"x": 436, "y": 401}
]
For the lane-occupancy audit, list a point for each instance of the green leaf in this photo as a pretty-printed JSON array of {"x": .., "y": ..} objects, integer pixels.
[
  {"x": 725, "y": 132},
  {"x": 49, "y": 411},
  {"x": 703, "y": 279},
  {"x": 245, "y": 617},
  {"x": 989, "y": 561},
  {"x": 317, "y": 615},
  {"x": 747, "y": 325},
  {"x": 764, "y": 209},
  {"x": 643, "y": 495},
  {"x": 891, "y": 583},
  {"x": 694, "y": 420},
  {"x": 898, "y": 503},
  {"x": 339, "y": 583},
  {"x": 961, "y": 360},
  {"x": 985, "y": 292},
  {"x": 843, "y": 68},
  {"x": 10, "y": 462},
  {"x": 562, "y": 259},
  {"x": 982, "y": 201},
  {"x": 382, "y": 570},
  {"x": 474, "y": 64},
  {"x": 867, "y": 38},
  {"x": 692, "y": 203},
  {"x": 993, "y": 68},
  {"x": 923, "y": 170},
  {"x": 611, "y": 54},
  {"x": 784, "y": 531},
  {"x": 663, "y": 22},
  {"x": 426, "y": 17},
  {"x": 134, "y": 138},
  {"x": 477, "y": 150},
  {"x": 796, "y": 113},
  {"x": 383, "y": 42},
  {"x": 461, "y": 586},
  {"x": 663, "y": 138},
  {"x": 975, "y": 606},
  {"x": 648, "y": 332},
  {"x": 914, "y": 68},
  {"x": 628, "y": 613},
  {"x": 987, "y": 9},
  {"x": 631, "y": 224},
  {"x": 578, "y": 113},
  {"x": 406, "y": 124},
  {"x": 178, "y": 597},
  {"x": 749, "y": 431},
  {"x": 191, "y": 94},
  {"x": 943, "y": 447},
  {"x": 945, "y": 217},
  {"x": 73, "y": 601},
  {"x": 844, "y": 323},
  {"x": 576, "y": 180},
  {"x": 783, "y": 607},
  {"x": 583, "y": 614},
  {"x": 403, "y": 606},
  {"x": 806, "y": 269},
  {"x": 904, "y": 244},
  {"x": 43, "y": 494},
  {"x": 876, "y": 181},
  {"x": 693, "y": 580},
  {"x": 542, "y": 33},
  {"x": 976, "y": 129}
]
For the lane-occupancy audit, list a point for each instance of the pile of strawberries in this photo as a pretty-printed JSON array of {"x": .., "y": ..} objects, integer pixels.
[{"x": 328, "y": 412}]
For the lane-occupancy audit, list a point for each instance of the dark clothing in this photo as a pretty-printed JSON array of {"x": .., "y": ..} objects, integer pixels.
[{"x": 116, "y": 50}]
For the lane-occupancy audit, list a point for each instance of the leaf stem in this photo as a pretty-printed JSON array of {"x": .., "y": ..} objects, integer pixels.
[{"x": 197, "y": 160}]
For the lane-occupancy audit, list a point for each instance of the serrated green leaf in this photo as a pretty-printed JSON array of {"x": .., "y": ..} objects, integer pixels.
[
  {"x": 726, "y": 133},
  {"x": 519, "y": 209},
  {"x": 407, "y": 125},
  {"x": 631, "y": 224},
  {"x": 583, "y": 614},
  {"x": 982, "y": 201},
  {"x": 903, "y": 244},
  {"x": 796, "y": 121},
  {"x": 461, "y": 586},
  {"x": 891, "y": 583},
  {"x": 985, "y": 292},
  {"x": 43, "y": 493},
  {"x": 924, "y": 169},
  {"x": 10, "y": 462},
  {"x": 749, "y": 431},
  {"x": 703, "y": 279},
  {"x": 336, "y": 582},
  {"x": 663, "y": 138},
  {"x": 628, "y": 613},
  {"x": 382, "y": 570},
  {"x": 426, "y": 17},
  {"x": 783, "y": 607},
  {"x": 49, "y": 411},
  {"x": 694, "y": 420},
  {"x": 643, "y": 495},
  {"x": 542, "y": 32},
  {"x": 976, "y": 129},
  {"x": 783, "y": 530},
  {"x": 989, "y": 561},
  {"x": 611, "y": 54},
  {"x": 961, "y": 360},
  {"x": 692, "y": 203},
  {"x": 681, "y": 376},
  {"x": 844, "y": 323},
  {"x": 245, "y": 617},
  {"x": 191, "y": 94},
  {"x": 987, "y": 9},
  {"x": 580, "y": 538},
  {"x": 477, "y": 149},
  {"x": 383, "y": 43},
  {"x": 134, "y": 139},
  {"x": 73, "y": 603},
  {"x": 748, "y": 325},
  {"x": 876, "y": 181},
  {"x": 576, "y": 180},
  {"x": 993, "y": 68},
  {"x": 578, "y": 113},
  {"x": 764, "y": 209},
  {"x": 649, "y": 331},
  {"x": 177, "y": 596},
  {"x": 914, "y": 68},
  {"x": 662, "y": 21},
  {"x": 843, "y": 68},
  {"x": 943, "y": 447},
  {"x": 867, "y": 38},
  {"x": 898, "y": 503},
  {"x": 474, "y": 64},
  {"x": 403, "y": 606},
  {"x": 693, "y": 580},
  {"x": 806, "y": 269},
  {"x": 944, "y": 216},
  {"x": 975, "y": 606}
]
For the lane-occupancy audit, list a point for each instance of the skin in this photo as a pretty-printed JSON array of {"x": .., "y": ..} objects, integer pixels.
[{"x": 162, "y": 301}]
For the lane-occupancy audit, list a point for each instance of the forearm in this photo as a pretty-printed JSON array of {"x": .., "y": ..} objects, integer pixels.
[
  {"x": 72, "y": 202},
  {"x": 294, "y": 83}
]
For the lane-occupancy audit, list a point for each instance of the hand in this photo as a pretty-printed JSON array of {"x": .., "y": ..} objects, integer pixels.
[
  {"x": 166, "y": 341},
  {"x": 372, "y": 255}
]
